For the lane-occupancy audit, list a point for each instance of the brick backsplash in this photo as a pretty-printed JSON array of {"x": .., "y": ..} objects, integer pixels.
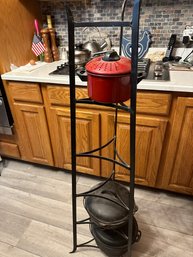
[{"x": 160, "y": 17}]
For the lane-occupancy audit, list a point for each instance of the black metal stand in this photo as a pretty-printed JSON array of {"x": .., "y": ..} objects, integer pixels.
[{"x": 131, "y": 109}]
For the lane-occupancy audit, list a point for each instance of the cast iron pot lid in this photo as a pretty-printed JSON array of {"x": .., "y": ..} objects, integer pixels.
[
  {"x": 112, "y": 211},
  {"x": 114, "y": 242}
]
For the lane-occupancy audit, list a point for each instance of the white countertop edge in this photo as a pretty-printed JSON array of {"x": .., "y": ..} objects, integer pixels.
[
  {"x": 164, "y": 86},
  {"x": 40, "y": 75},
  {"x": 172, "y": 87},
  {"x": 58, "y": 79},
  {"x": 64, "y": 80}
]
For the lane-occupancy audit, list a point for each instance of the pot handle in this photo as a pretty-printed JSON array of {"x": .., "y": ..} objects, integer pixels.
[
  {"x": 79, "y": 46},
  {"x": 92, "y": 28},
  {"x": 82, "y": 74},
  {"x": 140, "y": 76},
  {"x": 138, "y": 237}
]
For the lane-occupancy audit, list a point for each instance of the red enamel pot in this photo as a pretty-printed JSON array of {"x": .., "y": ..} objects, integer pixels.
[{"x": 109, "y": 78}]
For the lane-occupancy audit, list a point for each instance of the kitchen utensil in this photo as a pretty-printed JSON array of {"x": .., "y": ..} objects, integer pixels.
[
  {"x": 54, "y": 48},
  {"x": 102, "y": 37},
  {"x": 82, "y": 55},
  {"x": 111, "y": 211},
  {"x": 47, "y": 53},
  {"x": 142, "y": 67},
  {"x": 109, "y": 78},
  {"x": 92, "y": 45},
  {"x": 62, "y": 53},
  {"x": 114, "y": 242}
]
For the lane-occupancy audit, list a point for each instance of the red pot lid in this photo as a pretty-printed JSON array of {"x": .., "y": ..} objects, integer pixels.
[{"x": 110, "y": 64}]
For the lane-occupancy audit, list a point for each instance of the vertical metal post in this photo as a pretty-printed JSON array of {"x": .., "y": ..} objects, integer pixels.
[
  {"x": 121, "y": 30},
  {"x": 134, "y": 59},
  {"x": 73, "y": 121},
  {"x": 115, "y": 140}
]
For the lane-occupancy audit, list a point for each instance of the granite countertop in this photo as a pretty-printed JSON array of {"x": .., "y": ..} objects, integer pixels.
[{"x": 39, "y": 73}]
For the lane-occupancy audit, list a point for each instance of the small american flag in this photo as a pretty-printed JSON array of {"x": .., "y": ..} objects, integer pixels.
[{"x": 37, "y": 45}]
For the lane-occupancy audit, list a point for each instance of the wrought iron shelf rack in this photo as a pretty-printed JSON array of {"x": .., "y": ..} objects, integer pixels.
[{"x": 134, "y": 25}]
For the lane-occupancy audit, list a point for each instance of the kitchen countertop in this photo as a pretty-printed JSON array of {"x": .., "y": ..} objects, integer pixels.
[{"x": 40, "y": 73}]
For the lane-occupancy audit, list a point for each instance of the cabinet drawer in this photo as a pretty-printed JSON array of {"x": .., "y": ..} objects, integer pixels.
[
  {"x": 27, "y": 92},
  {"x": 147, "y": 102},
  {"x": 9, "y": 149},
  {"x": 153, "y": 103},
  {"x": 61, "y": 96}
]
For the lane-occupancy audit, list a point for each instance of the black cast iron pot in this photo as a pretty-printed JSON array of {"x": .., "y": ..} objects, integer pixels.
[
  {"x": 108, "y": 205},
  {"x": 114, "y": 242}
]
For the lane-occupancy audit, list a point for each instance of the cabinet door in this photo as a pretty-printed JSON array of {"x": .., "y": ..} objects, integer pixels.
[
  {"x": 178, "y": 168},
  {"x": 149, "y": 142},
  {"x": 32, "y": 127},
  {"x": 87, "y": 138}
]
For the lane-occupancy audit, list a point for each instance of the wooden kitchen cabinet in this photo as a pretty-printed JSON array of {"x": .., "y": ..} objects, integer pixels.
[
  {"x": 30, "y": 121},
  {"x": 177, "y": 173},
  {"x": 164, "y": 134},
  {"x": 87, "y": 126},
  {"x": 153, "y": 109},
  {"x": 150, "y": 132},
  {"x": 9, "y": 145}
]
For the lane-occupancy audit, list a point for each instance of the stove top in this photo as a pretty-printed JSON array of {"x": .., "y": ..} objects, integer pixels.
[
  {"x": 62, "y": 69},
  {"x": 143, "y": 68}
]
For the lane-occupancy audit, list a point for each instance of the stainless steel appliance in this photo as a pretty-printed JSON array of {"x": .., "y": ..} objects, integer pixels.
[
  {"x": 158, "y": 71},
  {"x": 143, "y": 67},
  {"x": 6, "y": 120},
  {"x": 189, "y": 58}
]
